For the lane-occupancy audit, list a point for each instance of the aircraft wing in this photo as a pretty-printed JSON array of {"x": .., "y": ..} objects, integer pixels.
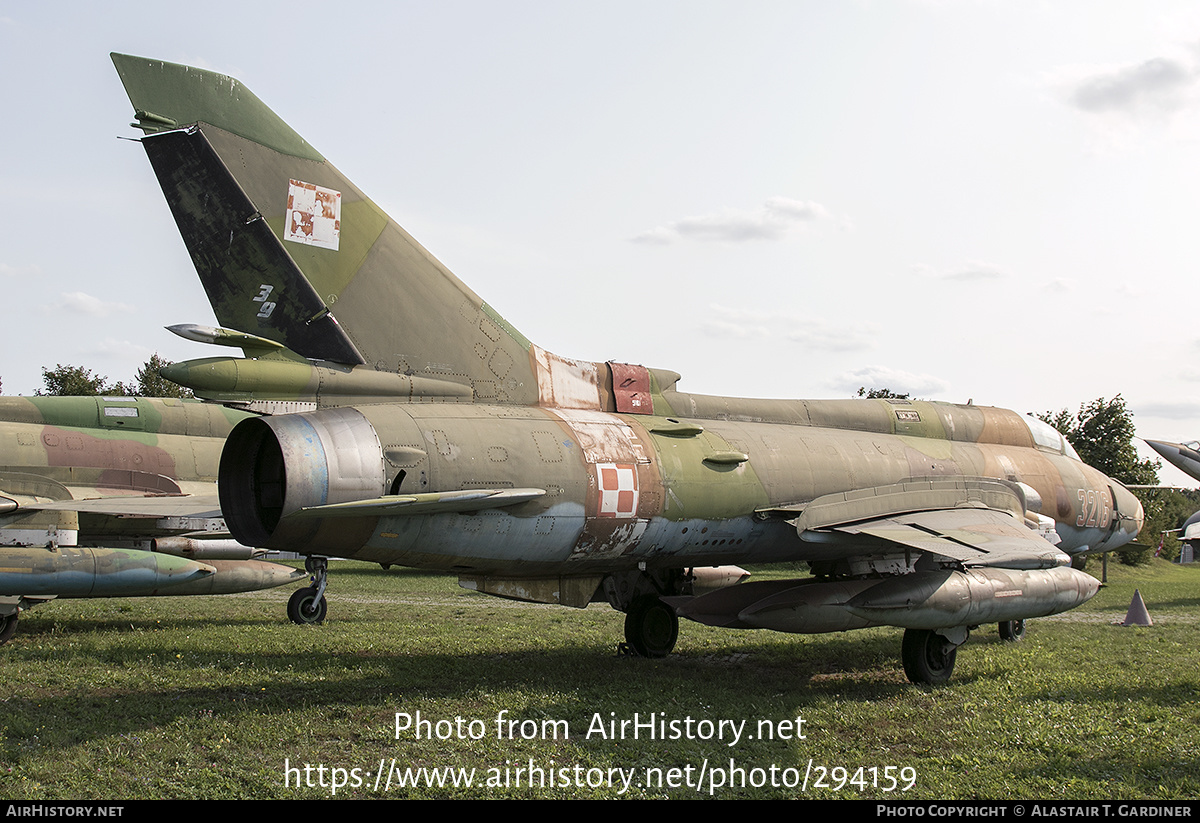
[
  {"x": 973, "y": 537},
  {"x": 187, "y": 505},
  {"x": 155, "y": 496},
  {"x": 28, "y": 509},
  {"x": 973, "y": 521}
]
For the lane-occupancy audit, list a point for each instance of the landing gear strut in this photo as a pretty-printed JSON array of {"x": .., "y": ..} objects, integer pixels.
[
  {"x": 928, "y": 656},
  {"x": 308, "y": 606},
  {"x": 651, "y": 626}
]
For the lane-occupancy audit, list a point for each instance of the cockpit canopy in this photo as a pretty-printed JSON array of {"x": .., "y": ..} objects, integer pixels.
[{"x": 1047, "y": 438}]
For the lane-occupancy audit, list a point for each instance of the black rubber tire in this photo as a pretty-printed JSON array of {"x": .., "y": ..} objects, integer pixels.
[
  {"x": 928, "y": 657},
  {"x": 8, "y": 627},
  {"x": 1012, "y": 631},
  {"x": 651, "y": 627},
  {"x": 303, "y": 607}
]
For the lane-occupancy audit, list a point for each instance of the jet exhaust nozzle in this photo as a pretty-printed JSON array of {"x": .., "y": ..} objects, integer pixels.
[{"x": 272, "y": 467}]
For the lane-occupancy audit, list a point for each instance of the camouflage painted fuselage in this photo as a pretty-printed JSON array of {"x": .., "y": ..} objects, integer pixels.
[
  {"x": 423, "y": 429},
  {"x": 419, "y": 387},
  {"x": 78, "y": 448},
  {"x": 708, "y": 488}
]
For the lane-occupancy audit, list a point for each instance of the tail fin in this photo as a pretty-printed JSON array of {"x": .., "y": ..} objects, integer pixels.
[{"x": 289, "y": 249}]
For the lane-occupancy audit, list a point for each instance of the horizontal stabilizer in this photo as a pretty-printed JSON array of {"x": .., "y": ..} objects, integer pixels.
[{"x": 398, "y": 505}]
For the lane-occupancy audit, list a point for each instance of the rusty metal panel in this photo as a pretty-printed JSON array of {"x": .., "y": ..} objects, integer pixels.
[
  {"x": 566, "y": 384},
  {"x": 631, "y": 388},
  {"x": 604, "y": 438}
]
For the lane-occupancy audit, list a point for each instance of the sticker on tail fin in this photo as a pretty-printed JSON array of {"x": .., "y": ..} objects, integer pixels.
[{"x": 314, "y": 215}]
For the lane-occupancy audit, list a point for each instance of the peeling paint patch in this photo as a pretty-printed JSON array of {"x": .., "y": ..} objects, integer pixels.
[
  {"x": 631, "y": 388},
  {"x": 604, "y": 438},
  {"x": 566, "y": 384},
  {"x": 608, "y": 539},
  {"x": 314, "y": 215}
]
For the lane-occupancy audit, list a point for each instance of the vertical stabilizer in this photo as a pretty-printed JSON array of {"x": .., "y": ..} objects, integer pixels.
[{"x": 290, "y": 250}]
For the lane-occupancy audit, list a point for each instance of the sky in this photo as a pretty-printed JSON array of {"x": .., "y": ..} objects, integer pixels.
[{"x": 978, "y": 200}]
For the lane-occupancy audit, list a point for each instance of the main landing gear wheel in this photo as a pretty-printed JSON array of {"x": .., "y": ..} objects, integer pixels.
[
  {"x": 1012, "y": 631},
  {"x": 8, "y": 627},
  {"x": 304, "y": 607},
  {"x": 928, "y": 657},
  {"x": 308, "y": 606},
  {"x": 651, "y": 627}
]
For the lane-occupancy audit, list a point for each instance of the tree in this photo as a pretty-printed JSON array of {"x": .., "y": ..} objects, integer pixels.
[
  {"x": 148, "y": 382},
  {"x": 76, "y": 381},
  {"x": 1102, "y": 434},
  {"x": 863, "y": 391}
]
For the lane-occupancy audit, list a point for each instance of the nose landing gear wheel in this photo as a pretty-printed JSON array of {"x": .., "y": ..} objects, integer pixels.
[
  {"x": 928, "y": 657},
  {"x": 1012, "y": 631},
  {"x": 305, "y": 608}
]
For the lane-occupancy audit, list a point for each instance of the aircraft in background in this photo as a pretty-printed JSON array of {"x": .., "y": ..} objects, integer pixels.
[
  {"x": 424, "y": 430},
  {"x": 1183, "y": 456},
  {"x": 1186, "y": 458},
  {"x": 116, "y": 497}
]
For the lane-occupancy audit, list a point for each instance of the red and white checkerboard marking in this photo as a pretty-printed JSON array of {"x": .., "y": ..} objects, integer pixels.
[{"x": 618, "y": 485}]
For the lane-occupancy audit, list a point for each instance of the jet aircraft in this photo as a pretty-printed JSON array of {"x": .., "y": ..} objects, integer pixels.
[
  {"x": 116, "y": 497},
  {"x": 1183, "y": 456},
  {"x": 1186, "y": 458},
  {"x": 425, "y": 430}
]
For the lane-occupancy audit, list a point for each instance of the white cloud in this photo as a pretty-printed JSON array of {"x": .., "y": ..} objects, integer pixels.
[
  {"x": 1059, "y": 285},
  {"x": 1168, "y": 410},
  {"x": 778, "y": 217},
  {"x": 971, "y": 271},
  {"x": 656, "y": 237},
  {"x": 882, "y": 377},
  {"x": 8, "y": 270},
  {"x": 1159, "y": 85},
  {"x": 112, "y": 349},
  {"x": 1122, "y": 101},
  {"x": 81, "y": 303},
  {"x": 974, "y": 271},
  {"x": 722, "y": 327},
  {"x": 833, "y": 337},
  {"x": 810, "y": 332}
]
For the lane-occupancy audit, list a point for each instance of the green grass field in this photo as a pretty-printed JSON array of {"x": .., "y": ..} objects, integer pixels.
[{"x": 221, "y": 697}]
